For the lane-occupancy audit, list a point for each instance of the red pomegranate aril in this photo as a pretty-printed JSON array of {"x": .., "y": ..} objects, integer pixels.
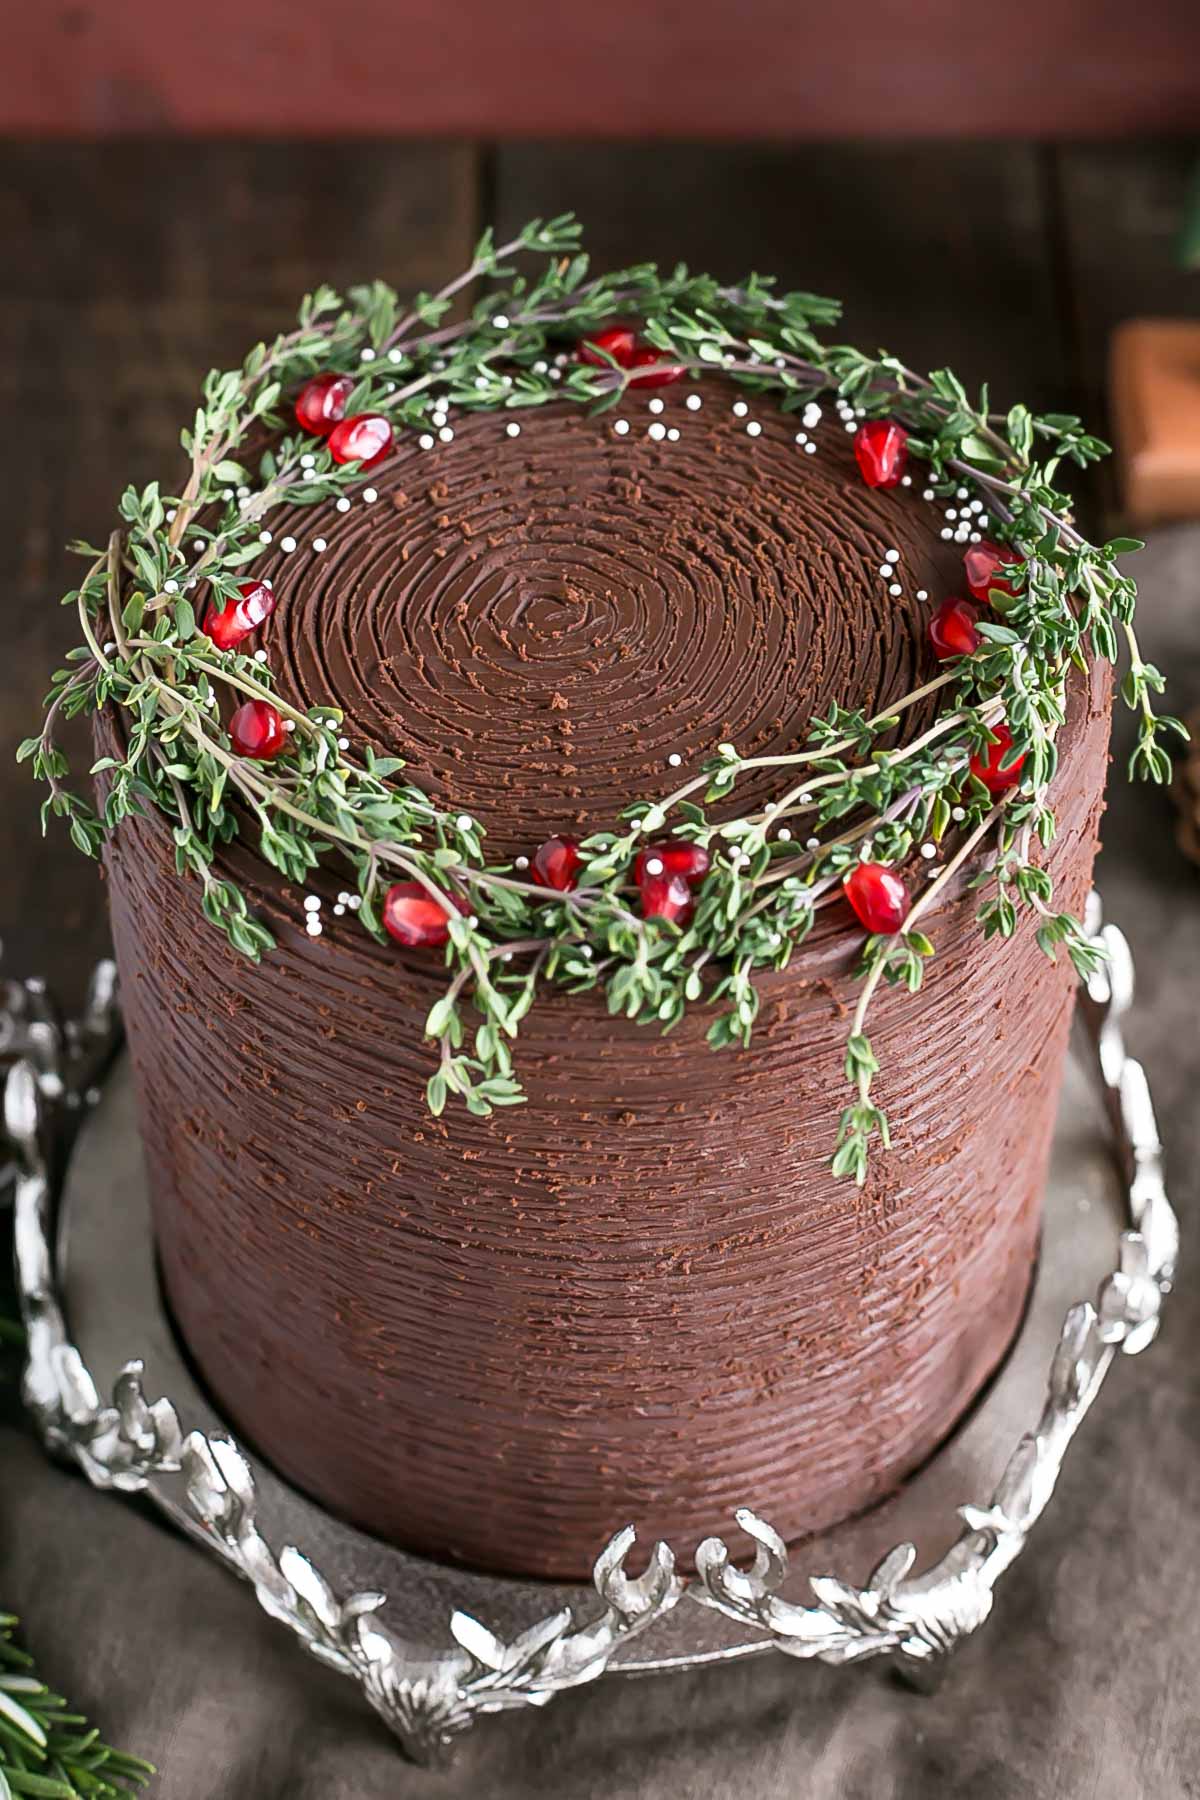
[
  {"x": 881, "y": 448},
  {"x": 620, "y": 341},
  {"x": 628, "y": 352},
  {"x": 365, "y": 438},
  {"x": 878, "y": 896},
  {"x": 980, "y": 565},
  {"x": 662, "y": 375},
  {"x": 952, "y": 629},
  {"x": 556, "y": 864},
  {"x": 373, "y": 462},
  {"x": 240, "y": 617},
  {"x": 321, "y": 403},
  {"x": 256, "y": 730},
  {"x": 414, "y": 918},
  {"x": 667, "y": 897},
  {"x": 676, "y": 858},
  {"x": 985, "y": 766}
]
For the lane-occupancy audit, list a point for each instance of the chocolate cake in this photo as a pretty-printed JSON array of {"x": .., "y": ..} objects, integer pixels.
[{"x": 641, "y": 1296}]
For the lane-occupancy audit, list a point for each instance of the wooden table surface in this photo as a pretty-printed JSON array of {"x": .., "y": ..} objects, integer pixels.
[{"x": 129, "y": 271}]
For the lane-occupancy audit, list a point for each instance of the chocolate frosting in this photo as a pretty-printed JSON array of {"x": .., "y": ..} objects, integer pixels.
[
  {"x": 641, "y": 1296},
  {"x": 536, "y": 623}
]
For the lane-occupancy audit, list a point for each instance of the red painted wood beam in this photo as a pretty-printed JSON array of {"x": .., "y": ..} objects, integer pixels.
[{"x": 541, "y": 68}]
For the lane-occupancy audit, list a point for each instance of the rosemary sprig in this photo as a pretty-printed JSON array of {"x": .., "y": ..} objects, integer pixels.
[
  {"x": 48, "y": 1751},
  {"x": 1064, "y": 601}
]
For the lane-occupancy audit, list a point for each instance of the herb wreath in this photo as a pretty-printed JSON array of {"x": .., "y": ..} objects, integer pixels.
[{"x": 1060, "y": 598}]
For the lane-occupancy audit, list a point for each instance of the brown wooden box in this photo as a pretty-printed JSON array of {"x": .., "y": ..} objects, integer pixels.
[{"x": 1154, "y": 382}]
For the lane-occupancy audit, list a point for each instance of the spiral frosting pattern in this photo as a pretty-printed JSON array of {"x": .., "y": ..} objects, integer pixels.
[
  {"x": 537, "y": 623},
  {"x": 641, "y": 1296}
]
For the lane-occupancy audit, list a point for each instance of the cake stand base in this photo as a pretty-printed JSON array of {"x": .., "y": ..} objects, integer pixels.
[{"x": 409, "y": 1630}]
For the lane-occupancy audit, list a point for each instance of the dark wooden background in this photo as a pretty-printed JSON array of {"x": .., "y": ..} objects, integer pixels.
[{"x": 129, "y": 269}]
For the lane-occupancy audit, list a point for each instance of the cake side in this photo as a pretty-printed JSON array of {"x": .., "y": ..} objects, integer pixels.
[{"x": 641, "y": 1296}]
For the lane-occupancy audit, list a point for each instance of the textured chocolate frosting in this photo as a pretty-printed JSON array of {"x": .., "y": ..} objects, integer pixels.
[
  {"x": 536, "y": 623},
  {"x": 641, "y": 1296}
]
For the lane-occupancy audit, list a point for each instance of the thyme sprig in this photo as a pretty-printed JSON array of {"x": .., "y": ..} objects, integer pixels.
[{"x": 848, "y": 791}]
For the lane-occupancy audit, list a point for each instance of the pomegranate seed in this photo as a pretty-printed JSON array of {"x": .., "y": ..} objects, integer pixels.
[
  {"x": 878, "y": 896},
  {"x": 986, "y": 766},
  {"x": 239, "y": 617},
  {"x": 952, "y": 629},
  {"x": 620, "y": 341},
  {"x": 881, "y": 447},
  {"x": 256, "y": 730},
  {"x": 365, "y": 438},
  {"x": 667, "y": 897},
  {"x": 321, "y": 402},
  {"x": 661, "y": 375},
  {"x": 676, "y": 858},
  {"x": 626, "y": 350},
  {"x": 980, "y": 564},
  {"x": 556, "y": 864},
  {"x": 413, "y": 917},
  {"x": 372, "y": 462}
]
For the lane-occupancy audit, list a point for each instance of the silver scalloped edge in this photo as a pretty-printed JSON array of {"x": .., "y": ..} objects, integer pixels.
[{"x": 429, "y": 1695}]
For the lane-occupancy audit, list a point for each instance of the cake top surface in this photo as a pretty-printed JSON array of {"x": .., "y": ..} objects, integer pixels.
[{"x": 539, "y": 622}]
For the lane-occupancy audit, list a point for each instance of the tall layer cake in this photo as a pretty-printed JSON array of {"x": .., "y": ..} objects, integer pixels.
[{"x": 652, "y": 1291}]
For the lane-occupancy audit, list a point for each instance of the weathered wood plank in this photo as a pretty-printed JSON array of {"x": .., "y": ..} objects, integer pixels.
[
  {"x": 1121, "y": 209},
  {"x": 941, "y": 254},
  {"x": 764, "y": 68},
  {"x": 128, "y": 274}
]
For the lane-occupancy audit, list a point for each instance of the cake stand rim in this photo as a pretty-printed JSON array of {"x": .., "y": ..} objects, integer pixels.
[{"x": 427, "y": 1697}]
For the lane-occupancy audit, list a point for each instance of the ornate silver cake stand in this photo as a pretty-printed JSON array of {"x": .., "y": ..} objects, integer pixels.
[{"x": 409, "y": 1631}]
